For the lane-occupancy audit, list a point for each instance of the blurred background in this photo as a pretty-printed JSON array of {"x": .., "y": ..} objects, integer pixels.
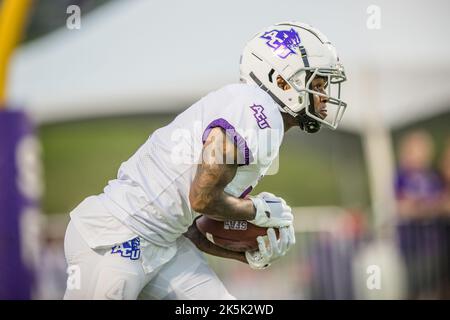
[{"x": 87, "y": 85}]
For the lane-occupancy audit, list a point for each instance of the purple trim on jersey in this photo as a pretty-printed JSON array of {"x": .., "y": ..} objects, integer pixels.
[
  {"x": 246, "y": 192},
  {"x": 232, "y": 134}
]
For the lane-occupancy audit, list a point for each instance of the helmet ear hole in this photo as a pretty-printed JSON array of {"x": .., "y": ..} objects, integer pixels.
[{"x": 282, "y": 84}]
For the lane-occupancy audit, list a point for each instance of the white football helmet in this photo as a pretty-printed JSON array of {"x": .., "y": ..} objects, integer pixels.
[{"x": 298, "y": 53}]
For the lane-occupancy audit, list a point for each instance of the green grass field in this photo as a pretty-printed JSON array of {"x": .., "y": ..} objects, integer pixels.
[
  {"x": 80, "y": 157},
  {"x": 323, "y": 169}
]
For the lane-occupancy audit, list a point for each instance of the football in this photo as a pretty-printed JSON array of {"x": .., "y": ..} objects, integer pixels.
[{"x": 237, "y": 236}]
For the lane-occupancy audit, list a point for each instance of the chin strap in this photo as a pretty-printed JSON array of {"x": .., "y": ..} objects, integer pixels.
[{"x": 307, "y": 123}]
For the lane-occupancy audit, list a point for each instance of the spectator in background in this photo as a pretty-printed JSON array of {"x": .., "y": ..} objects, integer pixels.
[
  {"x": 418, "y": 187},
  {"x": 444, "y": 166},
  {"x": 331, "y": 255},
  {"x": 420, "y": 233},
  {"x": 445, "y": 173}
]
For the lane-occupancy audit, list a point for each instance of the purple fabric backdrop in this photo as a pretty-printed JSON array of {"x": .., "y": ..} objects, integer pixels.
[{"x": 15, "y": 277}]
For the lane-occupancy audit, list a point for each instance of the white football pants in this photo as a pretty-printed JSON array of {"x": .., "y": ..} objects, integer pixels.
[{"x": 98, "y": 274}]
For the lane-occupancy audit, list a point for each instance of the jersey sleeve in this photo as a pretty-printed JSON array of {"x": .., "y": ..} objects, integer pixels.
[{"x": 255, "y": 126}]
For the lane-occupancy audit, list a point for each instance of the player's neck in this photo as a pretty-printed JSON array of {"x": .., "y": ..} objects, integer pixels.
[{"x": 288, "y": 121}]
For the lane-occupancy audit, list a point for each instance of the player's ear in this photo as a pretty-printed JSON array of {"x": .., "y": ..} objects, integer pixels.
[{"x": 282, "y": 84}]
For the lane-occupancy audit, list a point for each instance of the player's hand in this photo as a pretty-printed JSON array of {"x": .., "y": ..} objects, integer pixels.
[
  {"x": 271, "y": 211},
  {"x": 272, "y": 249}
]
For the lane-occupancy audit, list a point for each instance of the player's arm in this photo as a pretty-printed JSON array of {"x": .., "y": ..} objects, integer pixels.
[
  {"x": 217, "y": 169},
  {"x": 207, "y": 246}
]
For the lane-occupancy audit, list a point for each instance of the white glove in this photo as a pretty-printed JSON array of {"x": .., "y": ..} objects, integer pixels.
[
  {"x": 271, "y": 251},
  {"x": 271, "y": 211}
]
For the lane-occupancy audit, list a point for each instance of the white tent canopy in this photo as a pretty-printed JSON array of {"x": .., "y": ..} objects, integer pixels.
[{"x": 147, "y": 56}]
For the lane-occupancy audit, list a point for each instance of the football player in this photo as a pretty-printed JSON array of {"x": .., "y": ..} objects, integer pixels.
[{"x": 138, "y": 239}]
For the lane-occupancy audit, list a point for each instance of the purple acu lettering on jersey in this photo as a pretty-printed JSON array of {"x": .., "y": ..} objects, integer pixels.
[
  {"x": 283, "y": 42},
  {"x": 129, "y": 249},
  {"x": 232, "y": 134},
  {"x": 260, "y": 117}
]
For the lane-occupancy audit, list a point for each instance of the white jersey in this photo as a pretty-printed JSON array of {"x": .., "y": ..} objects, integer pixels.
[{"x": 151, "y": 193}]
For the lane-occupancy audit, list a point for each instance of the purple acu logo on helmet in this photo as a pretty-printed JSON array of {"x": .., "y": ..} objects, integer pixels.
[{"x": 283, "y": 42}]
